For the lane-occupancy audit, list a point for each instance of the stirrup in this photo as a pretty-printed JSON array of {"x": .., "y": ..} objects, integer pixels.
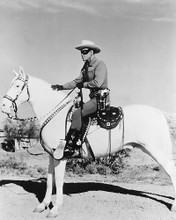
[{"x": 59, "y": 151}]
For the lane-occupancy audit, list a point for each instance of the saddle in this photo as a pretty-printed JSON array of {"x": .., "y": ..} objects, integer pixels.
[{"x": 107, "y": 119}]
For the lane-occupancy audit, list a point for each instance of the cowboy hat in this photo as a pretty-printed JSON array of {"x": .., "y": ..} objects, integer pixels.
[{"x": 88, "y": 44}]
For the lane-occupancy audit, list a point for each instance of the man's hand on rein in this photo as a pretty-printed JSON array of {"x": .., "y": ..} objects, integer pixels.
[{"x": 80, "y": 85}]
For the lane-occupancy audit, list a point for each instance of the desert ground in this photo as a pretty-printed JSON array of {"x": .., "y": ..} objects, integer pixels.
[{"x": 141, "y": 191}]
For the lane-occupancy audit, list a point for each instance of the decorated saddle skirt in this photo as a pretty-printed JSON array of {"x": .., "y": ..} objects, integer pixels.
[{"x": 107, "y": 119}]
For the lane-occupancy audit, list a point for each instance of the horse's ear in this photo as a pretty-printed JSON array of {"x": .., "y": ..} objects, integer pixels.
[
  {"x": 16, "y": 74},
  {"x": 21, "y": 72}
]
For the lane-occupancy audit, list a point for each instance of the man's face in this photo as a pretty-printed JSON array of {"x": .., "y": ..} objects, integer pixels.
[{"x": 86, "y": 54}]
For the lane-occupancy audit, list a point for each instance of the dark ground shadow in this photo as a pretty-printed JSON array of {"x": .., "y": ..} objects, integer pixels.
[{"x": 38, "y": 187}]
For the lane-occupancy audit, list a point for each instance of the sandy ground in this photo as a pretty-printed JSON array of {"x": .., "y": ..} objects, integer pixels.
[{"x": 139, "y": 192}]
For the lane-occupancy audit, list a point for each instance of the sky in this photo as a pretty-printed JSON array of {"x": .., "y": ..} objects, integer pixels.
[{"x": 137, "y": 40}]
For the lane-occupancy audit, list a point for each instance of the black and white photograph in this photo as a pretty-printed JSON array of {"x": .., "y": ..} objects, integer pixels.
[{"x": 88, "y": 109}]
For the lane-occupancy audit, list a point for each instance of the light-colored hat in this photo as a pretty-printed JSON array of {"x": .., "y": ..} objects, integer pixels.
[{"x": 88, "y": 44}]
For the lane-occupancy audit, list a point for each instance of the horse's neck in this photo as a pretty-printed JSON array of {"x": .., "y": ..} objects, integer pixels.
[{"x": 42, "y": 98}]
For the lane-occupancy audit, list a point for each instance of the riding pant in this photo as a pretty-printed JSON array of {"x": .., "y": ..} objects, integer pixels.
[{"x": 88, "y": 108}]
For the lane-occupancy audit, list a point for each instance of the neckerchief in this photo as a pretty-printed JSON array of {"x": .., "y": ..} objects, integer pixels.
[{"x": 84, "y": 71}]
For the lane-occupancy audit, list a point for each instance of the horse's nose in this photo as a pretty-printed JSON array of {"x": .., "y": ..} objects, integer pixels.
[
  {"x": 2, "y": 105},
  {"x": 2, "y": 108}
]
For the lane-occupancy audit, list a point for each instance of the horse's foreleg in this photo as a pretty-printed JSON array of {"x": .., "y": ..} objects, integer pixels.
[
  {"x": 59, "y": 180},
  {"x": 49, "y": 187}
]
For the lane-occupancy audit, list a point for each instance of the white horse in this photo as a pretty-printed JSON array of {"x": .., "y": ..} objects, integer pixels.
[{"x": 144, "y": 127}]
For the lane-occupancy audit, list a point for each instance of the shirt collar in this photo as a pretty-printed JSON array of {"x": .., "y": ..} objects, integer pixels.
[{"x": 92, "y": 61}]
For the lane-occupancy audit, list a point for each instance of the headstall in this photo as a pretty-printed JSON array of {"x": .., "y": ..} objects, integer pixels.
[
  {"x": 50, "y": 114},
  {"x": 13, "y": 100}
]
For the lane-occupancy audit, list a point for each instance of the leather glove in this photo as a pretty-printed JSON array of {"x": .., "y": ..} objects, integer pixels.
[
  {"x": 80, "y": 85},
  {"x": 57, "y": 87}
]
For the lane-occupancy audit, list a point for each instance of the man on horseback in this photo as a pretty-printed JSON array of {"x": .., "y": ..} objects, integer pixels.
[{"x": 93, "y": 76}]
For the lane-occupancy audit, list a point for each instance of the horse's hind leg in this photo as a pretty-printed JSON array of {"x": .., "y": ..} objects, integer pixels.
[
  {"x": 170, "y": 168},
  {"x": 163, "y": 155}
]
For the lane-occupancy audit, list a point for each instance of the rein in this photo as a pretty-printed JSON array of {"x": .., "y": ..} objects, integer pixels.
[
  {"x": 54, "y": 114},
  {"x": 50, "y": 151},
  {"x": 13, "y": 100},
  {"x": 51, "y": 113}
]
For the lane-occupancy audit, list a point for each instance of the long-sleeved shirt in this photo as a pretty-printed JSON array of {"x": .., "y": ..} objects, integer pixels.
[{"x": 93, "y": 78}]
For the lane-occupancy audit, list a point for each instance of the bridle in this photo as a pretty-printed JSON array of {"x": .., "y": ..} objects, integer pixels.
[
  {"x": 13, "y": 100},
  {"x": 52, "y": 113}
]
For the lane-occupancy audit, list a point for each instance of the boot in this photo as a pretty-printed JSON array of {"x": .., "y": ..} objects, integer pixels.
[{"x": 72, "y": 147}]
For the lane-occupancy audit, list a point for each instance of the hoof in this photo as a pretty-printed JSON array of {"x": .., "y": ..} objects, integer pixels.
[
  {"x": 173, "y": 208},
  {"x": 52, "y": 214},
  {"x": 41, "y": 207}
]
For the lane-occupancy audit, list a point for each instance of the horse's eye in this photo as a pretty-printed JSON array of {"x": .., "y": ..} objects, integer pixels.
[{"x": 17, "y": 86}]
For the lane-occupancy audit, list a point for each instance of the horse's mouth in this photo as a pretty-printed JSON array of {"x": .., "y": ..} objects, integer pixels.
[
  {"x": 9, "y": 115},
  {"x": 4, "y": 112}
]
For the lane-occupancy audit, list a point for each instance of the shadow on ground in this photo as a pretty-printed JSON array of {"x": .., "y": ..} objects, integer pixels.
[{"x": 38, "y": 187}]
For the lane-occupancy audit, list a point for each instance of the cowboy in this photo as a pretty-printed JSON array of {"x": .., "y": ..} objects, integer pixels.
[{"x": 93, "y": 76}]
